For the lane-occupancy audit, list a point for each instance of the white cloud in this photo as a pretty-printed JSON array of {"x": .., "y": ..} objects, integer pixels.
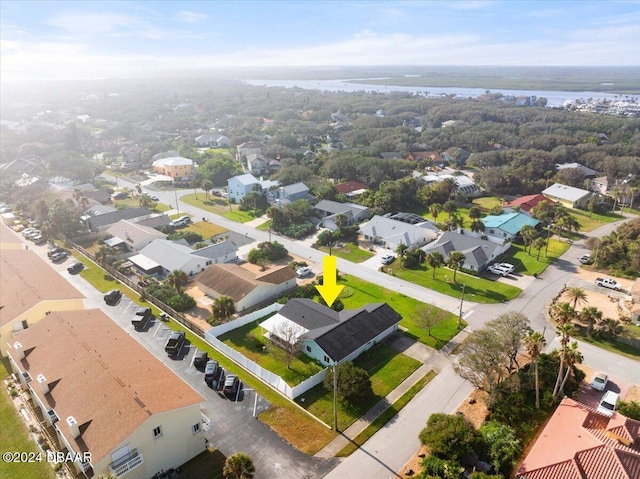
[
  {"x": 192, "y": 17},
  {"x": 113, "y": 24}
]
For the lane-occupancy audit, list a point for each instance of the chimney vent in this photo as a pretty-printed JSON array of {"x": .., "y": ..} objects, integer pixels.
[
  {"x": 44, "y": 386},
  {"x": 19, "y": 351},
  {"x": 73, "y": 426}
]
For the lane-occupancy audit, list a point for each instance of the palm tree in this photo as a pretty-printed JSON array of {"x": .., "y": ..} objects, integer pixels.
[
  {"x": 238, "y": 466},
  {"x": 477, "y": 226},
  {"x": 145, "y": 201},
  {"x": 475, "y": 213},
  {"x": 435, "y": 210},
  {"x": 538, "y": 244},
  {"x": 207, "y": 186},
  {"x": 402, "y": 250},
  {"x": 450, "y": 207},
  {"x": 534, "y": 342},
  {"x": 572, "y": 356},
  {"x": 342, "y": 220},
  {"x": 563, "y": 312},
  {"x": 455, "y": 262},
  {"x": 223, "y": 308},
  {"x": 611, "y": 327},
  {"x": 435, "y": 259},
  {"x": 565, "y": 330},
  {"x": 103, "y": 253},
  {"x": 528, "y": 233},
  {"x": 576, "y": 294},
  {"x": 178, "y": 279},
  {"x": 591, "y": 315}
]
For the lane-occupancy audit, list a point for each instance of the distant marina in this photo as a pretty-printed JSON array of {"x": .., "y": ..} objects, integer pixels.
[{"x": 554, "y": 98}]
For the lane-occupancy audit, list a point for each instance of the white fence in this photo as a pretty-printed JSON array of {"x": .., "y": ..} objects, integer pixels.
[{"x": 275, "y": 381}]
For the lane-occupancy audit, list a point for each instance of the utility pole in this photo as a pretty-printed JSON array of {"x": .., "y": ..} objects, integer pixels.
[
  {"x": 461, "y": 304},
  {"x": 175, "y": 192},
  {"x": 335, "y": 398}
]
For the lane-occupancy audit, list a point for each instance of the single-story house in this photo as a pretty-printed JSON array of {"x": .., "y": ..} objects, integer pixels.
[
  {"x": 579, "y": 443},
  {"x": 464, "y": 184},
  {"x": 587, "y": 172},
  {"x": 351, "y": 188},
  {"x": 98, "y": 393},
  {"x": 288, "y": 194},
  {"x": 241, "y": 185},
  {"x": 329, "y": 210},
  {"x": 568, "y": 196},
  {"x": 478, "y": 253},
  {"x": 391, "y": 233},
  {"x": 328, "y": 336},
  {"x": 130, "y": 236},
  {"x": 102, "y": 221},
  {"x": 507, "y": 225},
  {"x": 213, "y": 140},
  {"x": 525, "y": 204},
  {"x": 163, "y": 257},
  {"x": 246, "y": 288}
]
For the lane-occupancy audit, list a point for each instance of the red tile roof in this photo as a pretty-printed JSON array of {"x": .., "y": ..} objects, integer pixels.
[
  {"x": 527, "y": 202},
  {"x": 579, "y": 443},
  {"x": 349, "y": 187}
]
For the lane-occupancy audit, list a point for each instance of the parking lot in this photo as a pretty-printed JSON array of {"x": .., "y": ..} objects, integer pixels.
[{"x": 228, "y": 421}]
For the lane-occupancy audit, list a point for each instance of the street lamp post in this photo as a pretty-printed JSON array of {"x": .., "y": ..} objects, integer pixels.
[
  {"x": 175, "y": 193},
  {"x": 461, "y": 304}
]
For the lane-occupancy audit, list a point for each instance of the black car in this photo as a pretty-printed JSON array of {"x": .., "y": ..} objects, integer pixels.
[
  {"x": 231, "y": 384},
  {"x": 112, "y": 297},
  {"x": 200, "y": 359},
  {"x": 143, "y": 311},
  {"x": 75, "y": 268},
  {"x": 211, "y": 371}
]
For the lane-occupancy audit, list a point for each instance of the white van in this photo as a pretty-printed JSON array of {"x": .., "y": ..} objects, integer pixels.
[{"x": 608, "y": 403}]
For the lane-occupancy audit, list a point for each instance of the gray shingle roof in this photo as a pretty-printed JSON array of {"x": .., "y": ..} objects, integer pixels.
[
  {"x": 477, "y": 251},
  {"x": 565, "y": 192},
  {"x": 105, "y": 219}
]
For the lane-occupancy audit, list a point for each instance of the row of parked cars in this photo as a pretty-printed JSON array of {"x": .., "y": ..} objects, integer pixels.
[
  {"x": 609, "y": 399},
  {"x": 215, "y": 376}
]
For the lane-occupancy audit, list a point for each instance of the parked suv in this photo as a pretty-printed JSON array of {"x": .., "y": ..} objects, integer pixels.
[
  {"x": 200, "y": 359},
  {"x": 499, "y": 270},
  {"x": 231, "y": 384},
  {"x": 75, "y": 268},
  {"x": 211, "y": 371},
  {"x": 182, "y": 221},
  {"x": 112, "y": 297},
  {"x": 608, "y": 403}
]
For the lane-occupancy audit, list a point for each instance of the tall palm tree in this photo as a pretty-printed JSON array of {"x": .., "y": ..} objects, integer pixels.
[
  {"x": 563, "y": 312},
  {"x": 528, "y": 234},
  {"x": 223, "y": 308},
  {"x": 565, "y": 331},
  {"x": 207, "y": 186},
  {"x": 178, "y": 279},
  {"x": 450, "y": 207},
  {"x": 435, "y": 259},
  {"x": 576, "y": 294},
  {"x": 611, "y": 327},
  {"x": 455, "y": 262},
  {"x": 477, "y": 226},
  {"x": 591, "y": 315},
  {"x": 538, "y": 244},
  {"x": 238, "y": 466},
  {"x": 534, "y": 342},
  {"x": 435, "y": 210},
  {"x": 572, "y": 356}
]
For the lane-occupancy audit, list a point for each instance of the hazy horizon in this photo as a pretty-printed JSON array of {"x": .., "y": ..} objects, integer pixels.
[{"x": 97, "y": 40}]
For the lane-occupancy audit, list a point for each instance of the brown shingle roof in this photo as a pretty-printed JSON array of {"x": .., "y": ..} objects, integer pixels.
[
  {"x": 277, "y": 275},
  {"x": 350, "y": 187},
  {"x": 101, "y": 376},
  {"x": 26, "y": 280}
]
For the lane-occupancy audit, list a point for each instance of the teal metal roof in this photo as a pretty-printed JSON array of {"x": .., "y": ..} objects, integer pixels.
[{"x": 512, "y": 223}]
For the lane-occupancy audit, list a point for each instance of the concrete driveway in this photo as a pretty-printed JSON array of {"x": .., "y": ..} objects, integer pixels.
[{"x": 591, "y": 397}]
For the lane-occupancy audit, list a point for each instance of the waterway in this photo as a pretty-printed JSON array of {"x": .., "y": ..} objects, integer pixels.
[{"x": 554, "y": 98}]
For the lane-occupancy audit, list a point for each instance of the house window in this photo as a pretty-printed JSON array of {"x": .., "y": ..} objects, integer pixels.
[
  {"x": 326, "y": 359},
  {"x": 157, "y": 432},
  {"x": 491, "y": 232},
  {"x": 308, "y": 348},
  {"x": 195, "y": 429}
]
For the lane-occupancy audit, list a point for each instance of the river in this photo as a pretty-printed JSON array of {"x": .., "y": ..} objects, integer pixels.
[{"x": 554, "y": 98}]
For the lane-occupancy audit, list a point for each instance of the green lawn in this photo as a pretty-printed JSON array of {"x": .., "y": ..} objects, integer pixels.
[
  {"x": 264, "y": 226},
  {"x": 590, "y": 221},
  {"x": 221, "y": 207},
  {"x": 487, "y": 203},
  {"x": 379, "y": 422},
  {"x": 527, "y": 263},
  {"x": 350, "y": 251},
  {"x": 479, "y": 290},
  {"x": 387, "y": 369},
  {"x": 249, "y": 341},
  {"x": 205, "y": 229},
  {"x": 14, "y": 437}
]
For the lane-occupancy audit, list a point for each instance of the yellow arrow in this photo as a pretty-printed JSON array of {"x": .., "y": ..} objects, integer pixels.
[{"x": 329, "y": 290}]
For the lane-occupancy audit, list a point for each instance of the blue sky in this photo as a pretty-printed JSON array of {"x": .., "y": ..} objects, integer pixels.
[{"x": 95, "y": 39}]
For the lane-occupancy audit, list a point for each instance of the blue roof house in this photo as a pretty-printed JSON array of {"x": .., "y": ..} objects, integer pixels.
[{"x": 507, "y": 226}]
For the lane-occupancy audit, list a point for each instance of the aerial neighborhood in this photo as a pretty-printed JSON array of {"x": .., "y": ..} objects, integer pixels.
[{"x": 288, "y": 279}]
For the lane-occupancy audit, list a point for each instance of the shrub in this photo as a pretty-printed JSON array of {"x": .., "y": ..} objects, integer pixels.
[
  {"x": 631, "y": 409},
  {"x": 354, "y": 383},
  {"x": 450, "y": 436}
]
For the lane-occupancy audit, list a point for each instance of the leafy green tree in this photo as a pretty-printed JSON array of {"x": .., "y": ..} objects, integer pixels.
[
  {"x": 353, "y": 382},
  {"x": 511, "y": 327},
  {"x": 631, "y": 409},
  {"x": 450, "y": 436},
  {"x": 435, "y": 467},
  {"x": 218, "y": 170},
  {"x": 450, "y": 207},
  {"x": 504, "y": 446},
  {"x": 455, "y": 261},
  {"x": 435, "y": 259},
  {"x": 238, "y": 466},
  {"x": 482, "y": 360},
  {"x": 223, "y": 308}
]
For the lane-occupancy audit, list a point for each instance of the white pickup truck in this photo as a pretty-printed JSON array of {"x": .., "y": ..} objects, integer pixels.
[{"x": 608, "y": 283}]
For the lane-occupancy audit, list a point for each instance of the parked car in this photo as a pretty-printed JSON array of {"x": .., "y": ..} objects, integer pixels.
[
  {"x": 200, "y": 359},
  {"x": 585, "y": 259},
  {"x": 27, "y": 231},
  {"x": 231, "y": 384},
  {"x": 174, "y": 343},
  {"x": 182, "y": 221},
  {"x": 499, "y": 270},
  {"x": 39, "y": 240},
  {"x": 54, "y": 250},
  {"x": 599, "y": 381},
  {"x": 387, "y": 258},
  {"x": 304, "y": 271},
  {"x": 119, "y": 195},
  {"x": 508, "y": 266},
  {"x": 75, "y": 268},
  {"x": 608, "y": 283},
  {"x": 211, "y": 371},
  {"x": 62, "y": 255},
  {"x": 142, "y": 318},
  {"x": 608, "y": 403},
  {"x": 143, "y": 311},
  {"x": 112, "y": 297}
]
